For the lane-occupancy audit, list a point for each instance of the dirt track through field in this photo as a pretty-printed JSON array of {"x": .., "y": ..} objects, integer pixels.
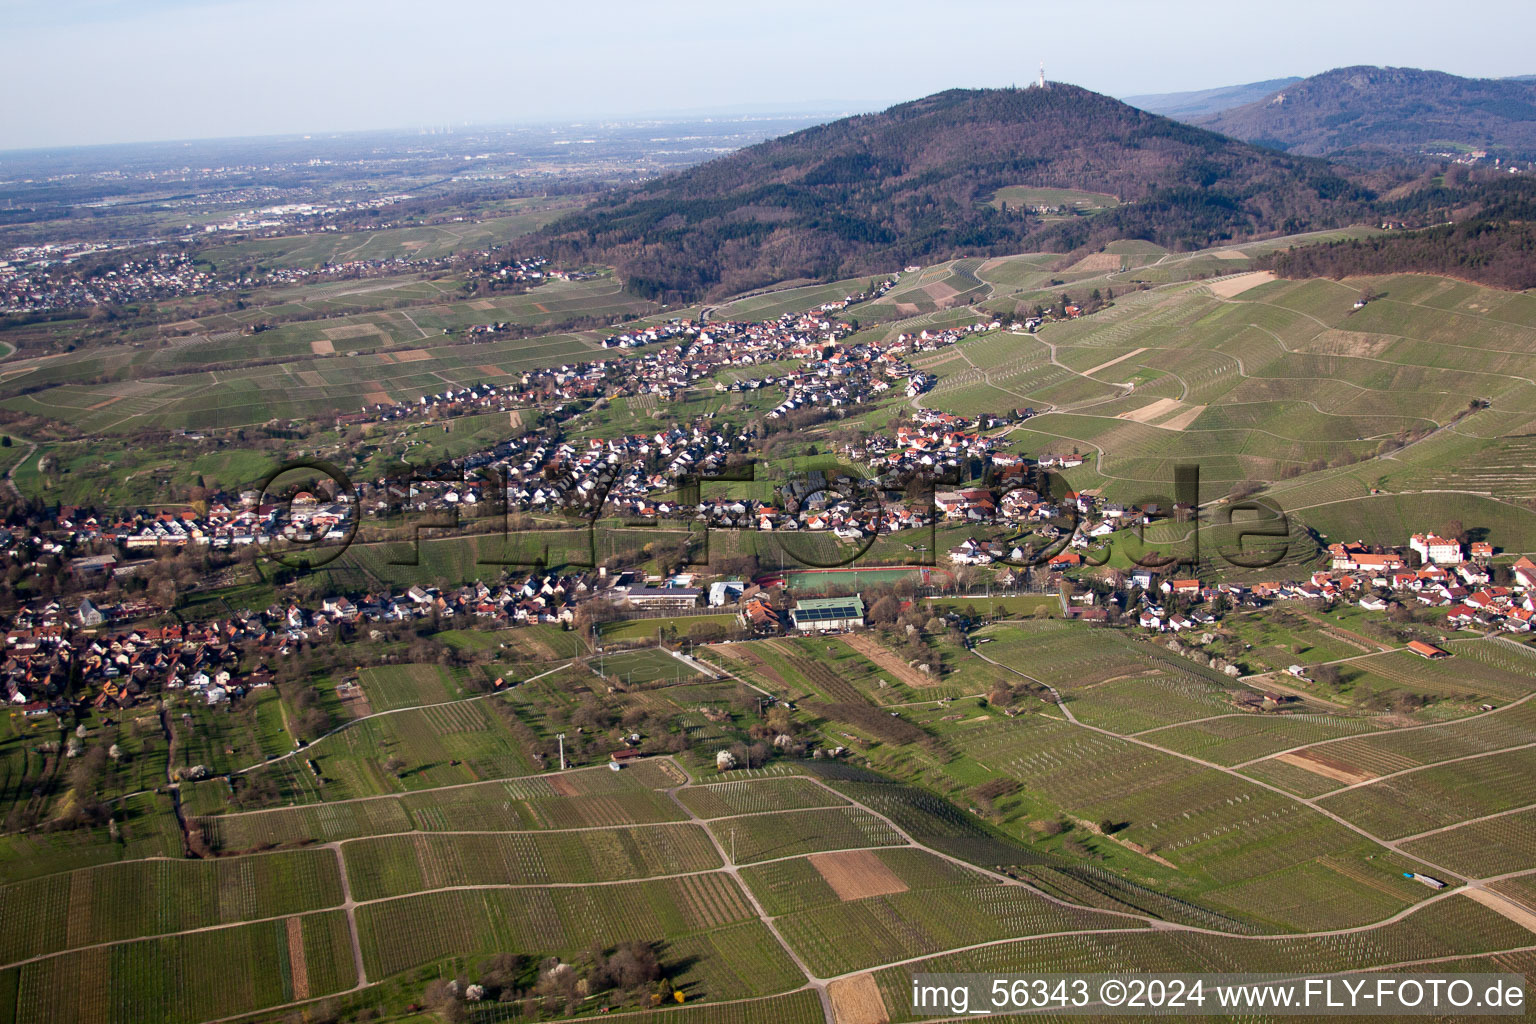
[
  {"x": 1096, "y": 263},
  {"x": 298, "y": 966},
  {"x": 1148, "y": 413},
  {"x": 1183, "y": 419},
  {"x": 889, "y": 662},
  {"x": 857, "y": 874},
  {"x": 856, "y": 1000},
  {"x": 1112, "y": 362},
  {"x": 1327, "y": 767},
  {"x": 940, "y": 292},
  {"x": 1241, "y": 283},
  {"x": 1501, "y": 904}
]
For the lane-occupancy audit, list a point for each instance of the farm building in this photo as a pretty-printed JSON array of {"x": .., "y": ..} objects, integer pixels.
[
  {"x": 819, "y": 614},
  {"x": 1425, "y": 650}
]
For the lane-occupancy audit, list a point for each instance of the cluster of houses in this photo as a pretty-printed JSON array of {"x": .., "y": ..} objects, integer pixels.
[
  {"x": 304, "y": 517},
  {"x": 53, "y": 657},
  {"x": 43, "y": 284},
  {"x": 46, "y": 666},
  {"x": 809, "y": 370},
  {"x": 1446, "y": 576},
  {"x": 46, "y": 277},
  {"x": 540, "y": 473}
]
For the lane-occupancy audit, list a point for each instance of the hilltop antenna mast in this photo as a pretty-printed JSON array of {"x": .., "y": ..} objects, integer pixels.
[{"x": 1042, "y": 74}]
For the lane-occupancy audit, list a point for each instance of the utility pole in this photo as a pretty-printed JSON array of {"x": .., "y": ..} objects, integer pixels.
[{"x": 561, "y": 737}]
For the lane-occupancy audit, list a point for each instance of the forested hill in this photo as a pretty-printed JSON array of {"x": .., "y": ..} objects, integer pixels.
[
  {"x": 1189, "y": 106},
  {"x": 911, "y": 184},
  {"x": 1500, "y": 254},
  {"x": 1484, "y": 230},
  {"x": 1365, "y": 114}
]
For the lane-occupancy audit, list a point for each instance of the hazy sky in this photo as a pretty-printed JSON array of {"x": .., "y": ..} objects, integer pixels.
[{"x": 88, "y": 71}]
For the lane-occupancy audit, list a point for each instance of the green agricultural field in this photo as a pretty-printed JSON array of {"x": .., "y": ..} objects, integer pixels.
[
  {"x": 1435, "y": 796},
  {"x": 1257, "y": 382},
  {"x": 166, "y": 979},
  {"x": 841, "y": 937},
  {"x": 91, "y": 906},
  {"x": 1071, "y": 200},
  {"x": 424, "y": 242},
  {"x": 146, "y": 827},
  {"x": 1477, "y": 672},
  {"x": 1494, "y": 846},
  {"x": 919, "y": 299},
  {"x": 397, "y": 865},
  {"x": 724, "y": 799},
  {"x": 776, "y": 302},
  {"x": 392, "y": 687},
  {"x": 316, "y": 368},
  {"x": 414, "y": 748},
  {"x": 758, "y": 837},
  {"x": 1219, "y": 832},
  {"x": 905, "y": 780},
  {"x": 695, "y": 912},
  {"x": 1445, "y": 929}
]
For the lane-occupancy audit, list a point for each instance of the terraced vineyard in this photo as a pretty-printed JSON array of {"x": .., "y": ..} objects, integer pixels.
[
  {"x": 168, "y": 979},
  {"x": 91, "y": 906},
  {"x": 758, "y": 837},
  {"x": 1280, "y": 377},
  {"x": 1058, "y": 798},
  {"x": 723, "y": 799},
  {"x": 397, "y": 865},
  {"x": 1448, "y": 928},
  {"x": 402, "y": 933}
]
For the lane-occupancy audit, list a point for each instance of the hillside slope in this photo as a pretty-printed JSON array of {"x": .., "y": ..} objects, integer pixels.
[
  {"x": 872, "y": 192},
  {"x": 1375, "y": 113},
  {"x": 1187, "y": 106}
]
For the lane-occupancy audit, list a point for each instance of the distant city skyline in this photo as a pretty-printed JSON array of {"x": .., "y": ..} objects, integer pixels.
[{"x": 83, "y": 72}]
